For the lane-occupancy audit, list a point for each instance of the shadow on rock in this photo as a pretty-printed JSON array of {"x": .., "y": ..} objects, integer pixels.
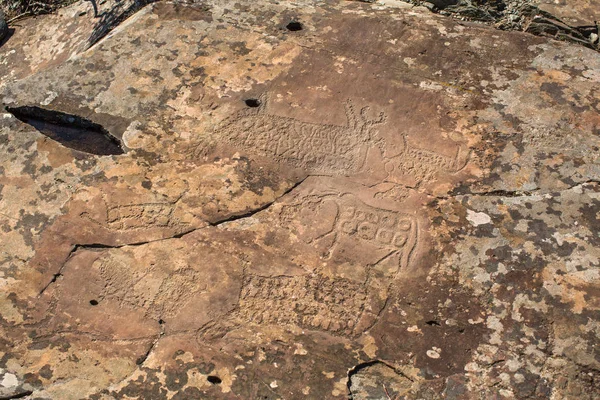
[
  {"x": 113, "y": 17},
  {"x": 7, "y": 36}
]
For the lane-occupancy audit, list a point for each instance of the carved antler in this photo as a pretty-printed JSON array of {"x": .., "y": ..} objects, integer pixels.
[
  {"x": 368, "y": 123},
  {"x": 350, "y": 114},
  {"x": 462, "y": 157}
]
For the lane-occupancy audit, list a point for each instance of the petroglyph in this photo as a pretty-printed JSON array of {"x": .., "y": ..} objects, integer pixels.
[
  {"x": 423, "y": 165},
  {"x": 320, "y": 148},
  {"x": 158, "y": 292},
  {"x": 393, "y": 231},
  {"x": 313, "y": 302},
  {"x": 319, "y": 249},
  {"x": 396, "y": 193},
  {"x": 138, "y": 216},
  {"x": 552, "y": 140},
  {"x": 332, "y": 149},
  {"x": 129, "y": 217}
]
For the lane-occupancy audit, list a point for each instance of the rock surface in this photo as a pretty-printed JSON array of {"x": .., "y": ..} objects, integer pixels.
[{"x": 246, "y": 200}]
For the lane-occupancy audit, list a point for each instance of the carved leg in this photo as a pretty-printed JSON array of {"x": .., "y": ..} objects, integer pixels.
[{"x": 463, "y": 154}]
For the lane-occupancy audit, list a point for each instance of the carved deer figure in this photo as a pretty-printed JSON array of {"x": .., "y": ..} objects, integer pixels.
[
  {"x": 327, "y": 148},
  {"x": 316, "y": 147}
]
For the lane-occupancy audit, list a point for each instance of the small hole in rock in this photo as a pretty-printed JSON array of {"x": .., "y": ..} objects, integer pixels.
[
  {"x": 215, "y": 380},
  {"x": 94, "y": 302},
  {"x": 433, "y": 323},
  {"x": 294, "y": 26},
  {"x": 252, "y": 102},
  {"x": 161, "y": 321}
]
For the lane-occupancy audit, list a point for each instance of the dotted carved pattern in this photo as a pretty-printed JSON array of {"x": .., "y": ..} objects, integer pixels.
[
  {"x": 394, "y": 231},
  {"x": 137, "y": 216},
  {"x": 308, "y": 301},
  {"x": 332, "y": 149},
  {"x": 322, "y": 148}
]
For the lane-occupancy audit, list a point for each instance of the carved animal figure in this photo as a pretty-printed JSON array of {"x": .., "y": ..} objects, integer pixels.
[
  {"x": 135, "y": 216},
  {"x": 423, "y": 164},
  {"x": 317, "y": 147},
  {"x": 129, "y": 217},
  {"x": 308, "y": 301},
  {"x": 139, "y": 289},
  {"x": 392, "y": 231},
  {"x": 331, "y": 149}
]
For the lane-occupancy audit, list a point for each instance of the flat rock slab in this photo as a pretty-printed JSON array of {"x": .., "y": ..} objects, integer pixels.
[{"x": 302, "y": 200}]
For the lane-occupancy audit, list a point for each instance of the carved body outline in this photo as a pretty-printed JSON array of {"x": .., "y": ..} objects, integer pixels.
[
  {"x": 427, "y": 161},
  {"x": 389, "y": 240},
  {"x": 166, "y": 211},
  {"x": 317, "y": 289},
  {"x": 328, "y": 148},
  {"x": 338, "y": 148}
]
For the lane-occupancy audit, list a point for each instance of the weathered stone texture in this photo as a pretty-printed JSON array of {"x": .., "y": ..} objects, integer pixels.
[{"x": 314, "y": 200}]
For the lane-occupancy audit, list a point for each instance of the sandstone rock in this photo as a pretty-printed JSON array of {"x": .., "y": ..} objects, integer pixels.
[{"x": 297, "y": 200}]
